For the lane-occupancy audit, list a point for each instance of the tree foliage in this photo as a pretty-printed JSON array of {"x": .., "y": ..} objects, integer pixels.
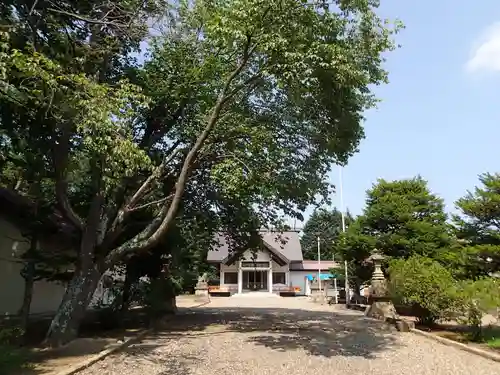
[
  {"x": 356, "y": 247},
  {"x": 424, "y": 284},
  {"x": 435, "y": 294},
  {"x": 405, "y": 218},
  {"x": 327, "y": 225},
  {"x": 476, "y": 299},
  {"x": 478, "y": 227},
  {"x": 402, "y": 218}
]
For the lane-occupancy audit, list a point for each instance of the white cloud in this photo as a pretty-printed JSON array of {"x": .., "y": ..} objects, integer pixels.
[{"x": 485, "y": 54}]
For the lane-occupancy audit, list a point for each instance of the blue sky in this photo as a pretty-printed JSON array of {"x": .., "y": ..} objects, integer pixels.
[{"x": 440, "y": 113}]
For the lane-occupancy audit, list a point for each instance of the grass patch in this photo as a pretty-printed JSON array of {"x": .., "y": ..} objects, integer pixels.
[
  {"x": 494, "y": 343},
  {"x": 13, "y": 359},
  {"x": 491, "y": 337}
]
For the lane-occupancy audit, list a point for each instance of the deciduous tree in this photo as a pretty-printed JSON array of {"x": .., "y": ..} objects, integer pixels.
[{"x": 245, "y": 102}]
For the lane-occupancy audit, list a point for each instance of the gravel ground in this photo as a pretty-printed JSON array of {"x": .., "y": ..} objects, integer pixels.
[{"x": 290, "y": 336}]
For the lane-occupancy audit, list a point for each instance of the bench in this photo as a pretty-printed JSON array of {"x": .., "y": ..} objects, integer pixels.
[
  {"x": 286, "y": 291},
  {"x": 218, "y": 291}
]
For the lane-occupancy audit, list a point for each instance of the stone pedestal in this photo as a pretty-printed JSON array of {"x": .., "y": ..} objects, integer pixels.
[
  {"x": 201, "y": 289},
  {"x": 380, "y": 304},
  {"x": 317, "y": 296}
]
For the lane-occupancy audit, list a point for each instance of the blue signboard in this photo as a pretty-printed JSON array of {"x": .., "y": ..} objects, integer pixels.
[{"x": 322, "y": 276}]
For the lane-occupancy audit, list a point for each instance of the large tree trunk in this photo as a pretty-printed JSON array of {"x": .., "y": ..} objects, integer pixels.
[
  {"x": 28, "y": 270},
  {"x": 131, "y": 277},
  {"x": 64, "y": 326},
  {"x": 28, "y": 274},
  {"x": 169, "y": 304},
  {"x": 29, "y": 280}
]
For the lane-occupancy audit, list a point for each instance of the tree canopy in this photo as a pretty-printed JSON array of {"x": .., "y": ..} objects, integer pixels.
[
  {"x": 327, "y": 225},
  {"x": 478, "y": 227},
  {"x": 405, "y": 218},
  {"x": 402, "y": 218},
  {"x": 235, "y": 117}
]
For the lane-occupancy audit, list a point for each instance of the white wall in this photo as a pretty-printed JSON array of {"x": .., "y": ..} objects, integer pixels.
[
  {"x": 225, "y": 268},
  {"x": 298, "y": 279},
  {"x": 260, "y": 256},
  {"x": 46, "y": 295},
  {"x": 278, "y": 268}
]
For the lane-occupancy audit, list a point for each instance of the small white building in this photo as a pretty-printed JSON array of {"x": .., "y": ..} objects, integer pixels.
[{"x": 277, "y": 266}]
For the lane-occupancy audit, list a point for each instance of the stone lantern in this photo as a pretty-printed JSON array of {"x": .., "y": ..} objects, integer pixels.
[
  {"x": 376, "y": 259},
  {"x": 380, "y": 303}
]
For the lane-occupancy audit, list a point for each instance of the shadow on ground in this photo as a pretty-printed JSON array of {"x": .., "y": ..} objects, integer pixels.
[
  {"x": 319, "y": 333},
  {"x": 95, "y": 335},
  {"x": 188, "y": 340}
]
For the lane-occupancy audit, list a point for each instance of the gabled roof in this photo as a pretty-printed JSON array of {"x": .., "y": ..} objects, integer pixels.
[
  {"x": 276, "y": 255},
  {"x": 285, "y": 246},
  {"x": 20, "y": 211}
]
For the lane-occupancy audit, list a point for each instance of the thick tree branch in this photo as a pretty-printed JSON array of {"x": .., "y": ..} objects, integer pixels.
[
  {"x": 120, "y": 195},
  {"x": 145, "y": 240},
  {"x": 86, "y": 19},
  {"x": 143, "y": 189},
  {"x": 128, "y": 207},
  {"x": 248, "y": 82},
  {"x": 186, "y": 167},
  {"x": 158, "y": 201},
  {"x": 61, "y": 154},
  {"x": 155, "y": 132},
  {"x": 91, "y": 232}
]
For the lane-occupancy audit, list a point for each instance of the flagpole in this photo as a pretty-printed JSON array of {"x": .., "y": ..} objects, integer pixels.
[
  {"x": 343, "y": 231},
  {"x": 319, "y": 266}
]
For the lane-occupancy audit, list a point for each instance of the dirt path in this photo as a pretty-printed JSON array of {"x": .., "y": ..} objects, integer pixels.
[{"x": 286, "y": 336}]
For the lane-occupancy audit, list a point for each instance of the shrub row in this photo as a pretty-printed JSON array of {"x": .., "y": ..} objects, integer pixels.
[{"x": 436, "y": 295}]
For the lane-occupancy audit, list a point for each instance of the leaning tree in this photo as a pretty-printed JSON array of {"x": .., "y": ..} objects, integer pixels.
[{"x": 245, "y": 102}]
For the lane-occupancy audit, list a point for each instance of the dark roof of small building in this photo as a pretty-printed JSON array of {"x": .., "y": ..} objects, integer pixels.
[
  {"x": 286, "y": 243},
  {"x": 20, "y": 210}
]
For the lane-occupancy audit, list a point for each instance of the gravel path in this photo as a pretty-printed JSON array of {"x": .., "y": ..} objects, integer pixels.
[{"x": 246, "y": 336}]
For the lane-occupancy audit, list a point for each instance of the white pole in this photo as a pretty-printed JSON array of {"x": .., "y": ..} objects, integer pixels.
[
  {"x": 335, "y": 283},
  {"x": 319, "y": 266},
  {"x": 341, "y": 200},
  {"x": 343, "y": 230}
]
